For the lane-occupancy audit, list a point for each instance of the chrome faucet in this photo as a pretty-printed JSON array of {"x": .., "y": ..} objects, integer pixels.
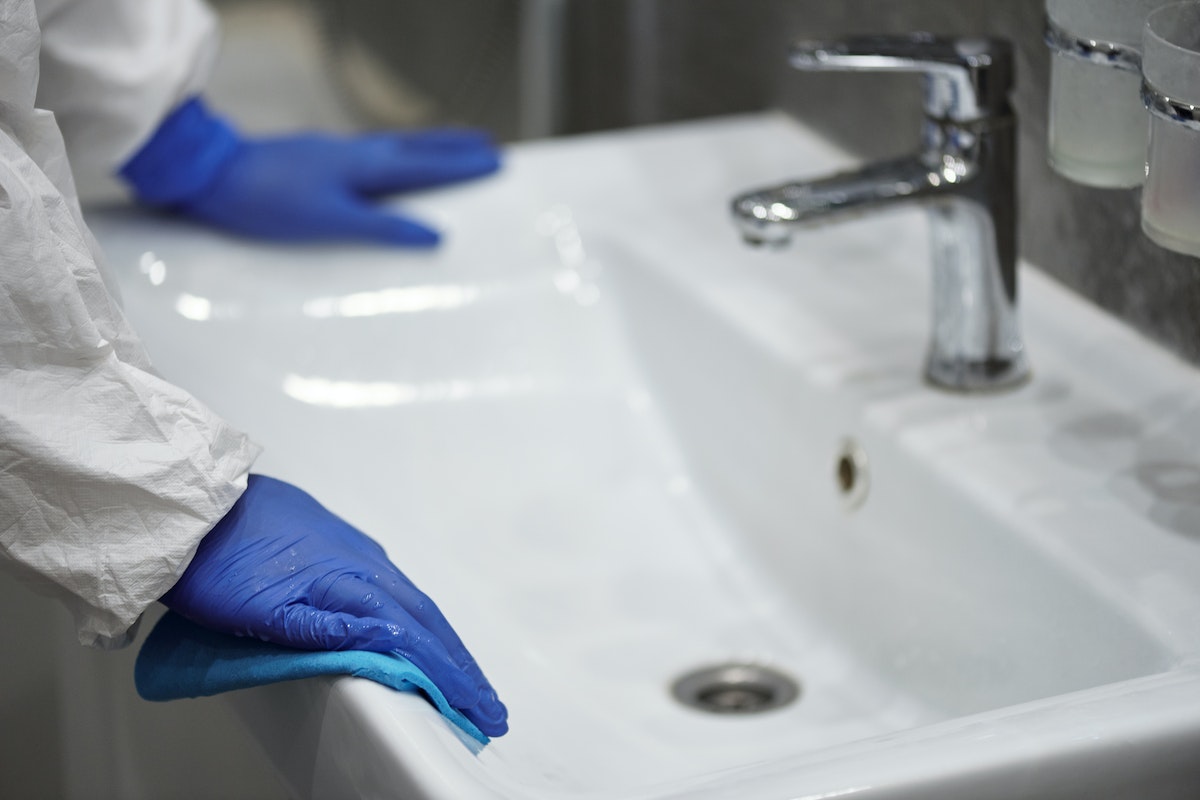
[{"x": 965, "y": 176}]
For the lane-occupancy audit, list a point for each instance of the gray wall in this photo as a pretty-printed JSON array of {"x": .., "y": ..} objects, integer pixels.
[{"x": 717, "y": 56}]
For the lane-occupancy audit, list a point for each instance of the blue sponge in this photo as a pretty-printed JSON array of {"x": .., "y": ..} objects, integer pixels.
[{"x": 181, "y": 659}]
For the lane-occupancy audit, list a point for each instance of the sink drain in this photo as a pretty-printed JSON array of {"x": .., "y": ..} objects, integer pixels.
[{"x": 735, "y": 689}]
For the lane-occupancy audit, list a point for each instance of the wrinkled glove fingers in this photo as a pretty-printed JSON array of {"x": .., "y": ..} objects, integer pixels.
[
  {"x": 435, "y": 139},
  {"x": 360, "y": 219},
  {"x": 385, "y": 597},
  {"x": 387, "y": 166},
  {"x": 397, "y": 598},
  {"x": 392, "y": 596},
  {"x": 489, "y": 711},
  {"x": 364, "y": 598},
  {"x": 312, "y": 628},
  {"x": 426, "y": 612},
  {"x": 431, "y": 618},
  {"x": 405, "y": 173}
]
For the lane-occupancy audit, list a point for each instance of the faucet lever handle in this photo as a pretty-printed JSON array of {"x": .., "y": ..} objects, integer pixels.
[{"x": 965, "y": 78}]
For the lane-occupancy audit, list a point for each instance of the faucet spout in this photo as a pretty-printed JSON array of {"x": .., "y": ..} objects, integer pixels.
[
  {"x": 772, "y": 215},
  {"x": 964, "y": 175}
]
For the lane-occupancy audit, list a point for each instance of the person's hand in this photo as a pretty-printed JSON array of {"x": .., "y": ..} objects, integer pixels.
[
  {"x": 281, "y": 568},
  {"x": 314, "y": 187},
  {"x": 303, "y": 187}
]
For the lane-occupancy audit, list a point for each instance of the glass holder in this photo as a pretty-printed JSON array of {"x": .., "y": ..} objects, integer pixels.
[
  {"x": 1097, "y": 124},
  {"x": 1171, "y": 93}
]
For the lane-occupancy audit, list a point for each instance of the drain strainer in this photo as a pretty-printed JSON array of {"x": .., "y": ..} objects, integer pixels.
[{"x": 735, "y": 689}]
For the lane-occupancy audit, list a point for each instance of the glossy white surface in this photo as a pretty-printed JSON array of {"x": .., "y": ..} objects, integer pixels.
[{"x": 601, "y": 433}]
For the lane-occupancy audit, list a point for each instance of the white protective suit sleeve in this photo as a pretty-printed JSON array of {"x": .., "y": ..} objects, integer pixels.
[
  {"x": 113, "y": 69},
  {"x": 109, "y": 475}
]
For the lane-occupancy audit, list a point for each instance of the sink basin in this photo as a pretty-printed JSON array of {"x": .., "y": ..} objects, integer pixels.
[{"x": 618, "y": 446}]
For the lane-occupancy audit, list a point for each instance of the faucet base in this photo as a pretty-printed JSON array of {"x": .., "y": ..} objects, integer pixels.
[{"x": 977, "y": 376}]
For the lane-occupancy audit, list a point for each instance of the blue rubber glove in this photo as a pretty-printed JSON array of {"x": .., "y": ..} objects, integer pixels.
[
  {"x": 281, "y": 568},
  {"x": 304, "y": 187}
]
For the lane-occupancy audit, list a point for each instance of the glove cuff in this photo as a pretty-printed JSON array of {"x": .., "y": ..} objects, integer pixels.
[{"x": 182, "y": 157}]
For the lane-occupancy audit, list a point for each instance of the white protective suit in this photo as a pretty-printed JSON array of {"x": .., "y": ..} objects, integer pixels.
[{"x": 109, "y": 475}]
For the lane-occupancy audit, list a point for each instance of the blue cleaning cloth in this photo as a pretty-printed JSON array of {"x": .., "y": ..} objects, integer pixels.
[{"x": 181, "y": 659}]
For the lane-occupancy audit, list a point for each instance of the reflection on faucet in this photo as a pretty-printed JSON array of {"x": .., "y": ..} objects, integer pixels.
[{"x": 964, "y": 175}]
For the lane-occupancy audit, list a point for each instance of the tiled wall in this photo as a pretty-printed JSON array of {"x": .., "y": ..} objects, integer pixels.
[{"x": 716, "y": 56}]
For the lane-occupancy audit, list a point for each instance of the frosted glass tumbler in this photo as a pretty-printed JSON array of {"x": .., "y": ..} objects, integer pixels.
[
  {"x": 1171, "y": 65},
  {"x": 1097, "y": 121}
]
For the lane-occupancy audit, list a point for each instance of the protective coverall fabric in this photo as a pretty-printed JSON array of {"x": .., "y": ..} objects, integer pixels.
[
  {"x": 109, "y": 475},
  {"x": 113, "y": 69}
]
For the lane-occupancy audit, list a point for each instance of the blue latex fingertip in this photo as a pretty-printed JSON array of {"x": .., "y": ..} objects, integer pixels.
[
  {"x": 412, "y": 235},
  {"x": 492, "y": 713}
]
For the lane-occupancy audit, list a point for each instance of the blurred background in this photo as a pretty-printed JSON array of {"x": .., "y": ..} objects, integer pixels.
[
  {"x": 530, "y": 69},
  {"x": 533, "y": 68}
]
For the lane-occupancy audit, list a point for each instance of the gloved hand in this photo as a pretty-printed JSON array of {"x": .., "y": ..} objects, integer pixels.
[
  {"x": 282, "y": 568},
  {"x": 305, "y": 187}
]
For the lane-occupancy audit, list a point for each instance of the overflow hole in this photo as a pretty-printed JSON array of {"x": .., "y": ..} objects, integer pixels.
[{"x": 852, "y": 474}]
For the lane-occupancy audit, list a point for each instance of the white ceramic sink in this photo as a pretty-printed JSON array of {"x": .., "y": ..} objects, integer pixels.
[{"x": 603, "y": 434}]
